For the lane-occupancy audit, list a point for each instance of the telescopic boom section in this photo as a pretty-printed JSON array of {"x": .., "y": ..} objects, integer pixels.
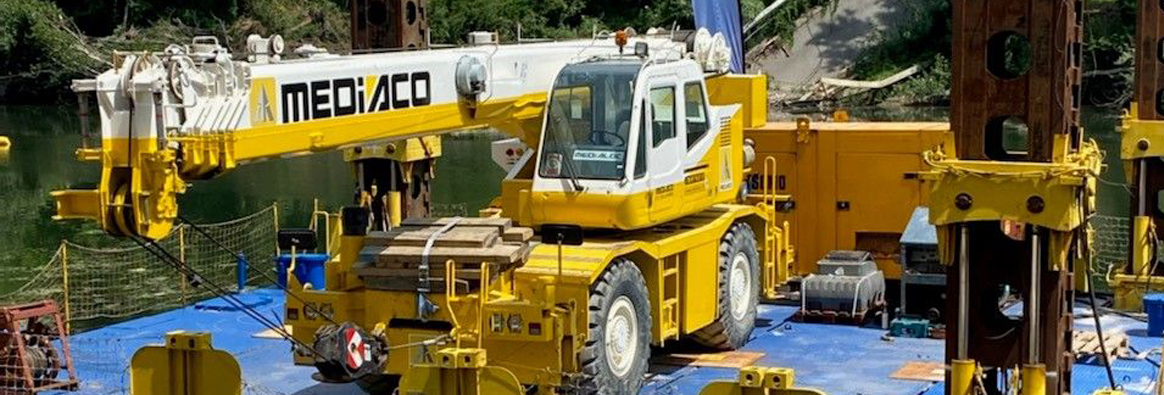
[{"x": 192, "y": 112}]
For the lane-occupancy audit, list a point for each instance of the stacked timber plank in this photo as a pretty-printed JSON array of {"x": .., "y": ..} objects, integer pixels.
[
  {"x": 390, "y": 260},
  {"x": 1086, "y": 344}
]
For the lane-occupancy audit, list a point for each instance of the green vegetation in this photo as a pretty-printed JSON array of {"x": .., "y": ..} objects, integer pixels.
[
  {"x": 783, "y": 22},
  {"x": 924, "y": 39},
  {"x": 44, "y": 44},
  {"x": 39, "y": 47}
]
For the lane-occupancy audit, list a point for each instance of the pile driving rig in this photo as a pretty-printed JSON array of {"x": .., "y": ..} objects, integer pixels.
[
  {"x": 1011, "y": 195},
  {"x": 633, "y": 181},
  {"x": 1141, "y": 141}
]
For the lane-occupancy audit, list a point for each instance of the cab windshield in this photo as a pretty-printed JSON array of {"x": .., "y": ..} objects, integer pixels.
[{"x": 589, "y": 120}]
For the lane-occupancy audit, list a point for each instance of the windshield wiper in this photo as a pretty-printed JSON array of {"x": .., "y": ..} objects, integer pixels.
[{"x": 567, "y": 159}]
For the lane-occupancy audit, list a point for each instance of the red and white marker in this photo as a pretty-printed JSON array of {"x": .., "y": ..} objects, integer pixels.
[{"x": 358, "y": 351}]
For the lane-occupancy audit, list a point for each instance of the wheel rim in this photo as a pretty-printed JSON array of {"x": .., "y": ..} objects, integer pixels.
[
  {"x": 621, "y": 333},
  {"x": 740, "y": 285}
]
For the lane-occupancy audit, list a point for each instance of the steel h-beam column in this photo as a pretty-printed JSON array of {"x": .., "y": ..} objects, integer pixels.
[
  {"x": 1015, "y": 96},
  {"x": 1147, "y": 174},
  {"x": 1016, "y": 61}
]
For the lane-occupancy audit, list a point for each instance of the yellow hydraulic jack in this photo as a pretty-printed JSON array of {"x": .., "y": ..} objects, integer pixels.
[
  {"x": 755, "y": 380},
  {"x": 186, "y": 365},
  {"x": 965, "y": 377}
]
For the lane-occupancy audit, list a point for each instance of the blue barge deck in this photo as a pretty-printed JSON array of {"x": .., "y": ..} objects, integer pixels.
[{"x": 840, "y": 360}]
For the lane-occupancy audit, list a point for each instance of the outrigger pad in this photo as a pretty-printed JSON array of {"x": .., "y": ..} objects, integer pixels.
[{"x": 345, "y": 352}]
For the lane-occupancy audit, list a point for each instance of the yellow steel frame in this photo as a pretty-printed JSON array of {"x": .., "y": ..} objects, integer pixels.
[
  {"x": 755, "y": 380},
  {"x": 141, "y": 180},
  {"x": 1002, "y": 190},
  {"x": 460, "y": 371},
  {"x": 186, "y": 365},
  {"x": 679, "y": 261},
  {"x": 550, "y": 293},
  {"x": 409, "y": 150},
  {"x": 1058, "y": 195},
  {"x": 1139, "y": 139},
  {"x": 854, "y": 183},
  {"x": 779, "y": 256}
]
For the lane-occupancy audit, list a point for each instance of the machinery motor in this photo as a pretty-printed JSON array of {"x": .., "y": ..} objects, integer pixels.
[{"x": 847, "y": 285}]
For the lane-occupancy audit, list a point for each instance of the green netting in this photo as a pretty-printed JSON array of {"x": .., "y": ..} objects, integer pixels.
[
  {"x": 1110, "y": 245},
  {"x": 101, "y": 285},
  {"x": 110, "y": 284}
]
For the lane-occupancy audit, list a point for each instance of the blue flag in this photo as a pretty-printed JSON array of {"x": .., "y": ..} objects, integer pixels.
[{"x": 723, "y": 16}]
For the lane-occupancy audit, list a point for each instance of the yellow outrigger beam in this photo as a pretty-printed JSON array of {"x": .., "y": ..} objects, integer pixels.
[
  {"x": 755, "y": 380},
  {"x": 186, "y": 365}
]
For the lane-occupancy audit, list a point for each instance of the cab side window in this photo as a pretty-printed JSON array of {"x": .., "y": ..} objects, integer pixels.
[
  {"x": 663, "y": 114},
  {"x": 641, "y": 151},
  {"x": 696, "y": 112}
]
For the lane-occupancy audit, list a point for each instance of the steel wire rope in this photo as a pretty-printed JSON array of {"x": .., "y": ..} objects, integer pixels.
[
  {"x": 267, "y": 277},
  {"x": 220, "y": 292}
]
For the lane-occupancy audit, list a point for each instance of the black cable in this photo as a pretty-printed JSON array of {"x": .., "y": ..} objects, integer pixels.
[
  {"x": 214, "y": 288},
  {"x": 223, "y": 247},
  {"x": 218, "y": 291},
  {"x": 1155, "y": 261},
  {"x": 1099, "y": 330}
]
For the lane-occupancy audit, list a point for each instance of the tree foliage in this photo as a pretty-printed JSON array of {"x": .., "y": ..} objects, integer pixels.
[
  {"x": 46, "y": 43},
  {"x": 452, "y": 19},
  {"x": 925, "y": 39},
  {"x": 39, "y": 47}
]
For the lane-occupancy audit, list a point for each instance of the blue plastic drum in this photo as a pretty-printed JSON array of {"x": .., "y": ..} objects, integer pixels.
[
  {"x": 1154, "y": 307},
  {"x": 309, "y": 268}
]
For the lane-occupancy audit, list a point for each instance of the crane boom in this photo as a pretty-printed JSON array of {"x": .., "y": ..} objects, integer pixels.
[{"x": 192, "y": 112}]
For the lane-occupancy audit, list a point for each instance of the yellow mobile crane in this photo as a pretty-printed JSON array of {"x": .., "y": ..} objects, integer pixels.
[{"x": 634, "y": 183}]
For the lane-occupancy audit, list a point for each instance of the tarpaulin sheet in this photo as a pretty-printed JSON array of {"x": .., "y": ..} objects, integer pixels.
[{"x": 723, "y": 16}]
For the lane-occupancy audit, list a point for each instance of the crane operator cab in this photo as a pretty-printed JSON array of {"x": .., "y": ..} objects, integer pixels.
[{"x": 628, "y": 143}]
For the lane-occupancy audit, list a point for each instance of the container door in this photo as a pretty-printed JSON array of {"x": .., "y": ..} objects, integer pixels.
[{"x": 875, "y": 200}]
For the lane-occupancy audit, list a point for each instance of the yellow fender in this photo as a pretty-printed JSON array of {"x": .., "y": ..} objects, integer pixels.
[
  {"x": 755, "y": 380},
  {"x": 186, "y": 365}
]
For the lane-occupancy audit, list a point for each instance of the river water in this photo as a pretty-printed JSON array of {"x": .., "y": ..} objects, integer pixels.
[{"x": 45, "y": 138}]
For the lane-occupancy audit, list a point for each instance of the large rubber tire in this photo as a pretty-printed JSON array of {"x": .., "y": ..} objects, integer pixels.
[
  {"x": 379, "y": 384},
  {"x": 618, "y": 345},
  {"x": 739, "y": 291}
]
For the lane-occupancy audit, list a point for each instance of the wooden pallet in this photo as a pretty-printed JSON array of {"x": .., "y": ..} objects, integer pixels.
[
  {"x": 830, "y": 317},
  {"x": 1085, "y": 344},
  {"x": 391, "y": 259},
  {"x": 726, "y": 359},
  {"x": 838, "y": 317},
  {"x": 920, "y": 371}
]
